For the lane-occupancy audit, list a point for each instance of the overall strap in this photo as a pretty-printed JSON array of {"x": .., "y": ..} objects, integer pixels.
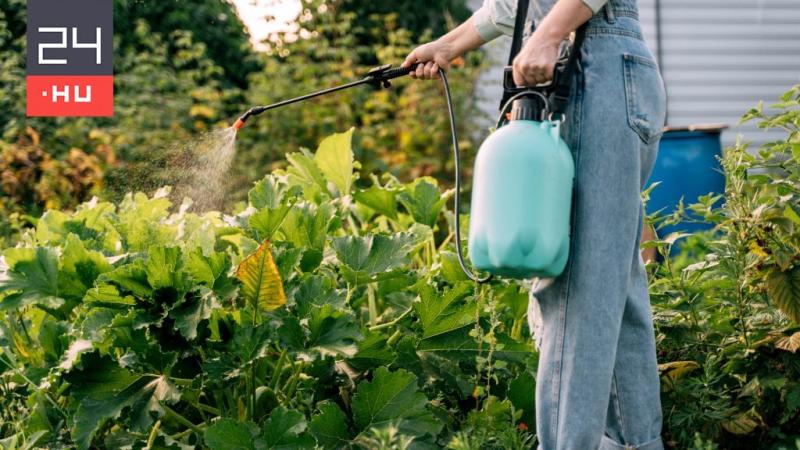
[
  {"x": 519, "y": 28},
  {"x": 563, "y": 77}
]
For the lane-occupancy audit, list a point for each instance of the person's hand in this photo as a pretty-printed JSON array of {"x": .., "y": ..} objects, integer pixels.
[
  {"x": 536, "y": 61},
  {"x": 429, "y": 58}
]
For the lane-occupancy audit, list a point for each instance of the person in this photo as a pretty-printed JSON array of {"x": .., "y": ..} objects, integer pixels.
[{"x": 597, "y": 381}]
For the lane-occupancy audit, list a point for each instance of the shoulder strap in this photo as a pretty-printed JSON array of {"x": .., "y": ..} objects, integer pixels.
[
  {"x": 519, "y": 29},
  {"x": 561, "y": 80},
  {"x": 559, "y": 90}
]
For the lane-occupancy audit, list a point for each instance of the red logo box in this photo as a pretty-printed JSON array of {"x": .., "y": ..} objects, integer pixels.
[{"x": 70, "y": 95}]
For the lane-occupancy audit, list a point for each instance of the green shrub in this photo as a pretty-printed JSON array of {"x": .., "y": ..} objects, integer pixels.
[
  {"x": 325, "y": 313},
  {"x": 727, "y": 310}
]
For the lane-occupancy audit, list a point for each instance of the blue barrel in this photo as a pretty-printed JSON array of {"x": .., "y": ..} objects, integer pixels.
[{"x": 687, "y": 167}]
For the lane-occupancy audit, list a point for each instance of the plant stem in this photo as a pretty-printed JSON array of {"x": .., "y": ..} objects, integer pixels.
[
  {"x": 291, "y": 385},
  {"x": 393, "y": 338},
  {"x": 207, "y": 408},
  {"x": 153, "y": 434},
  {"x": 352, "y": 223},
  {"x": 174, "y": 415},
  {"x": 373, "y": 307},
  {"x": 24, "y": 328},
  {"x": 252, "y": 396},
  {"x": 180, "y": 435},
  {"x": 393, "y": 322},
  {"x": 276, "y": 372}
]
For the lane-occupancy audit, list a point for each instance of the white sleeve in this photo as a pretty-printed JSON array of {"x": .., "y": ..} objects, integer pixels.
[
  {"x": 495, "y": 18},
  {"x": 595, "y": 5}
]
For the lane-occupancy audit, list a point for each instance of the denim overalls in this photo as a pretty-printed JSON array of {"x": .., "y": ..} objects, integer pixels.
[{"x": 597, "y": 384}]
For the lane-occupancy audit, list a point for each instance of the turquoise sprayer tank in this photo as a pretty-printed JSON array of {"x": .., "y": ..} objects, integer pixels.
[{"x": 521, "y": 199}]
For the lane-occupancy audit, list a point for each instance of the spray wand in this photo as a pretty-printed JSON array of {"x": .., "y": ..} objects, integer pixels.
[{"x": 379, "y": 78}]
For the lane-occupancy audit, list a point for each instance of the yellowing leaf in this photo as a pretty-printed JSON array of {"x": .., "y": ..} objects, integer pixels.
[
  {"x": 677, "y": 369},
  {"x": 789, "y": 343},
  {"x": 261, "y": 283},
  {"x": 742, "y": 424},
  {"x": 784, "y": 291},
  {"x": 757, "y": 250}
]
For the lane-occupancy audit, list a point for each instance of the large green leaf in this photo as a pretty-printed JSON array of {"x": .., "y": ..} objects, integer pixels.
[
  {"x": 211, "y": 270},
  {"x": 285, "y": 430},
  {"x": 367, "y": 256},
  {"x": 315, "y": 291},
  {"x": 330, "y": 426},
  {"x": 522, "y": 393},
  {"x": 334, "y": 158},
  {"x": 107, "y": 294},
  {"x": 228, "y": 434},
  {"x": 304, "y": 172},
  {"x": 164, "y": 268},
  {"x": 266, "y": 221},
  {"x": 194, "y": 309},
  {"x": 379, "y": 198},
  {"x": 450, "y": 267},
  {"x": 332, "y": 331},
  {"x": 459, "y": 344},
  {"x": 267, "y": 193},
  {"x": 306, "y": 225},
  {"x": 131, "y": 277},
  {"x": 784, "y": 290},
  {"x": 261, "y": 283},
  {"x": 141, "y": 221},
  {"x": 440, "y": 313},
  {"x": 33, "y": 272},
  {"x": 373, "y": 351},
  {"x": 79, "y": 268},
  {"x": 393, "y": 398},
  {"x": 423, "y": 200},
  {"x": 103, "y": 389}
]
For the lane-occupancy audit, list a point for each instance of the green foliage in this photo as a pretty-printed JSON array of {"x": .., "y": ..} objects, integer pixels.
[
  {"x": 33, "y": 180},
  {"x": 727, "y": 309},
  {"x": 187, "y": 68},
  {"x": 141, "y": 324},
  {"x": 402, "y": 130}
]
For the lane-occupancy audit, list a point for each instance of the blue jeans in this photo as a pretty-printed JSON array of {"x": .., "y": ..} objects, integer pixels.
[{"x": 597, "y": 382}]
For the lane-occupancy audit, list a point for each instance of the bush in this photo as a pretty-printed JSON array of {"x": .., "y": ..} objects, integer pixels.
[
  {"x": 32, "y": 181},
  {"x": 324, "y": 313},
  {"x": 727, "y": 310}
]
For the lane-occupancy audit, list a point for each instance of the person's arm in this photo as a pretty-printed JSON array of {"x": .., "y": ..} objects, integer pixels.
[
  {"x": 441, "y": 52},
  {"x": 536, "y": 61},
  {"x": 493, "y": 19}
]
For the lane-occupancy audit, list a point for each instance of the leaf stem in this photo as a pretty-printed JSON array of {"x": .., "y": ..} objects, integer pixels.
[
  {"x": 393, "y": 338},
  {"x": 276, "y": 372},
  {"x": 153, "y": 434},
  {"x": 291, "y": 385},
  {"x": 392, "y": 322},
  {"x": 176, "y": 416},
  {"x": 372, "y": 305}
]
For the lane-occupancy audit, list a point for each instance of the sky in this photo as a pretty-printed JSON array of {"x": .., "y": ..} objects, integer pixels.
[{"x": 254, "y": 14}]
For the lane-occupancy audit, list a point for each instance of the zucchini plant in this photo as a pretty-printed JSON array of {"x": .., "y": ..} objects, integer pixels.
[{"x": 323, "y": 314}]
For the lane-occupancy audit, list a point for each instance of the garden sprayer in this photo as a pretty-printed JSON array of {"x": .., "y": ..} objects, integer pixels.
[{"x": 522, "y": 189}]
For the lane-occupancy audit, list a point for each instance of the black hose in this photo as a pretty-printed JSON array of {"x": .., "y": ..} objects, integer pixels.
[{"x": 457, "y": 159}]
